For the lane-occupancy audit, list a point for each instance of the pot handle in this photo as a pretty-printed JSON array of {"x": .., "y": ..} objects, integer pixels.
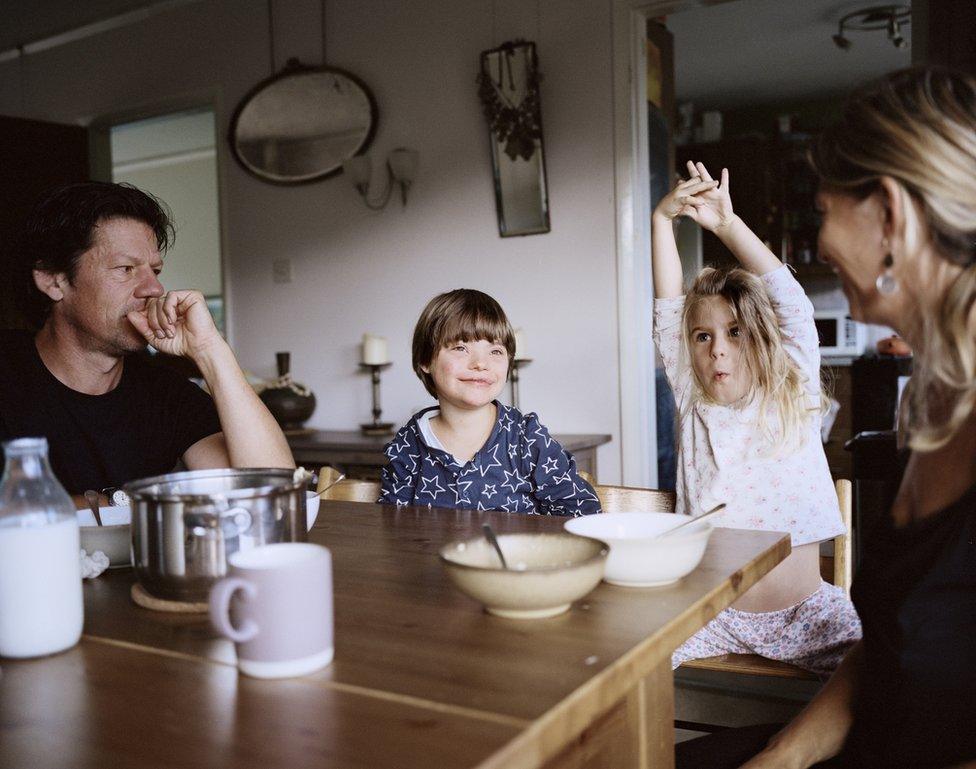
[
  {"x": 235, "y": 521},
  {"x": 220, "y": 597}
]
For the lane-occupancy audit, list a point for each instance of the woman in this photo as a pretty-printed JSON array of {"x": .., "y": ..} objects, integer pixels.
[{"x": 898, "y": 199}]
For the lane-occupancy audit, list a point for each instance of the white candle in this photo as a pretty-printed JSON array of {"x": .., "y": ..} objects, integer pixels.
[
  {"x": 519, "y": 344},
  {"x": 374, "y": 350}
]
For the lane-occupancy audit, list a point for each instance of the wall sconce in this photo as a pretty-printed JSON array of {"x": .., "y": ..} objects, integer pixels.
[
  {"x": 886, "y": 17},
  {"x": 401, "y": 167}
]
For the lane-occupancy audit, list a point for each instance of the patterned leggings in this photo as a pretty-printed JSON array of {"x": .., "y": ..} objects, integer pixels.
[{"x": 814, "y": 634}]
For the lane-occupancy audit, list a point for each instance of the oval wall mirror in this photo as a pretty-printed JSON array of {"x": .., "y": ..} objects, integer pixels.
[{"x": 300, "y": 125}]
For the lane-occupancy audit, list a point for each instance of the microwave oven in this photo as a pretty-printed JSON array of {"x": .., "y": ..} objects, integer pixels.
[{"x": 839, "y": 333}]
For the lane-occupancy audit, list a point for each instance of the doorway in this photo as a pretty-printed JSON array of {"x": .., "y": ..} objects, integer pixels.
[
  {"x": 174, "y": 158},
  {"x": 774, "y": 73}
]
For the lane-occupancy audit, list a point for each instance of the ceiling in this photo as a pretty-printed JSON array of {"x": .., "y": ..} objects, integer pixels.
[
  {"x": 729, "y": 54},
  {"x": 759, "y": 51},
  {"x": 25, "y": 21}
]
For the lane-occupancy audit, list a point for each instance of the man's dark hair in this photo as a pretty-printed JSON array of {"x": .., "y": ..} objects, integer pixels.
[{"x": 61, "y": 227}]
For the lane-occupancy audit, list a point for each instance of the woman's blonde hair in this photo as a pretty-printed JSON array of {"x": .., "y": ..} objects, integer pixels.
[
  {"x": 462, "y": 315},
  {"x": 777, "y": 380},
  {"x": 918, "y": 127}
]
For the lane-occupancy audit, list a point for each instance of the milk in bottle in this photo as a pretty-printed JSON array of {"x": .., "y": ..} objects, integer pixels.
[{"x": 40, "y": 577}]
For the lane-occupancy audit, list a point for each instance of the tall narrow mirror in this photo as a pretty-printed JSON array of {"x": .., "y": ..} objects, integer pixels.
[{"x": 509, "y": 91}]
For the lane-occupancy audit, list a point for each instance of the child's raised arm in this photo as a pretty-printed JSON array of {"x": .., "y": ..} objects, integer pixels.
[
  {"x": 712, "y": 209},
  {"x": 666, "y": 262}
]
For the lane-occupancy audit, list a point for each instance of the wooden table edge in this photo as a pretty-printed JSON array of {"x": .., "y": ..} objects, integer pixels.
[{"x": 548, "y": 735}]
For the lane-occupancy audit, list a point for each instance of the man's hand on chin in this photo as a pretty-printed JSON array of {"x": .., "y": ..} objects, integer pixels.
[{"x": 178, "y": 323}]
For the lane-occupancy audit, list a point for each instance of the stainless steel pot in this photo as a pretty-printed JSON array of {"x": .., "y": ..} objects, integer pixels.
[{"x": 184, "y": 525}]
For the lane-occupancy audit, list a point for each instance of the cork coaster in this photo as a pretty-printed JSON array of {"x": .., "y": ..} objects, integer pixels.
[{"x": 147, "y": 601}]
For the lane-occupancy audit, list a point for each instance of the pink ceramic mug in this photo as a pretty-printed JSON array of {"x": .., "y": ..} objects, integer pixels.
[{"x": 276, "y": 606}]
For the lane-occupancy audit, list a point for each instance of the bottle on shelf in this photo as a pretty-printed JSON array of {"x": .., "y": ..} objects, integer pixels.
[{"x": 41, "y": 609}]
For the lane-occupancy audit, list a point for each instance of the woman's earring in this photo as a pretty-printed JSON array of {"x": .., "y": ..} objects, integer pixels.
[{"x": 886, "y": 282}]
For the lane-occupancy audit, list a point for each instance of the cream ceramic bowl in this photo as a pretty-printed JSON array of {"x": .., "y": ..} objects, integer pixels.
[
  {"x": 638, "y": 556},
  {"x": 547, "y": 572}
]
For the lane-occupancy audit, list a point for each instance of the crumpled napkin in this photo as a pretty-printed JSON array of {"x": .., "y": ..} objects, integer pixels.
[{"x": 94, "y": 564}]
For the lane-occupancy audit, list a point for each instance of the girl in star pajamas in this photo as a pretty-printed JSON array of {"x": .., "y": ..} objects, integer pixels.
[
  {"x": 742, "y": 356},
  {"x": 470, "y": 451}
]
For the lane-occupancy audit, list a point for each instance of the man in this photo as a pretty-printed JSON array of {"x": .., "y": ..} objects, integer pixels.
[{"x": 89, "y": 272}]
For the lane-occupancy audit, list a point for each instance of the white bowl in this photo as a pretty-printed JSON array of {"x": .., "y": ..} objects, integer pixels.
[
  {"x": 114, "y": 541},
  {"x": 547, "y": 572},
  {"x": 114, "y": 538},
  {"x": 638, "y": 556}
]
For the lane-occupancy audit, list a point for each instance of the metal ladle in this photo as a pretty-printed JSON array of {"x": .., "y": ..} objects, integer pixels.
[
  {"x": 91, "y": 497},
  {"x": 490, "y": 536}
]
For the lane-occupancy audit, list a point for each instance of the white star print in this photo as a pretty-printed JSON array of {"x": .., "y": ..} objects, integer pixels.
[
  {"x": 489, "y": 490},
  {"x": 511, "y": 480},
  {"x": 581, "y": 492},
  {"x": 549, "y": 465},
  {"x": 509, "y": 503},
  {"x": 528, "y": 446},
  {"x": 564, "y": 478},
  {"x": 544, "y": 436},
  {"x": 494, "y": 463},
  {"x": 427, "y": 486},
  {"x": 461, "y": 489},
  {"x": 413, "y": 461},
  {"x": 512, "y": 450}
]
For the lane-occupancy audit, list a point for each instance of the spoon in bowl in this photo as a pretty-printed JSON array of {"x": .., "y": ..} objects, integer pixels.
[
  {"x": 340, "y": 477},
  {"x": 695, "y": 519},
  {"x": 91, "y": 497},
  {"x": 490, "y": 536}
]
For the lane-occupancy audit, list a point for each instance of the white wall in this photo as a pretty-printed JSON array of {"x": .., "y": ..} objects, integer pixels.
[
  {"x": 356, "y": 270},
  {"x": 175, "y": 157}
]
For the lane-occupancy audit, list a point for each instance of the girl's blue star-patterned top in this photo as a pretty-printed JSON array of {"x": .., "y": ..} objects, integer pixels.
[{"x": 520, "y": 469}]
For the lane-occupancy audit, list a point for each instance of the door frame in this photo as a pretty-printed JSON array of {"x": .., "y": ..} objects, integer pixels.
[
  {"x": 99, "y": 142},
  {"x": 635, "y": 292}
]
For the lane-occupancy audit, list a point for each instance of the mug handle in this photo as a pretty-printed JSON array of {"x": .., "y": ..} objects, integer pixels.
[{"x": 220, "y": 597}]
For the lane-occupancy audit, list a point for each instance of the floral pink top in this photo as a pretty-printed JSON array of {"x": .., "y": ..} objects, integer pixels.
[{"x": 723, "y": 457}]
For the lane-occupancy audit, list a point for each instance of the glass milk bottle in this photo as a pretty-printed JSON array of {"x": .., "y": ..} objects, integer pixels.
[{"x": 40, "y": 574}]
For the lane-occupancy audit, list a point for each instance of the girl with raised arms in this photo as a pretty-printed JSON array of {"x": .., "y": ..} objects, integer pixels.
[{"x": 741, "y": 353}]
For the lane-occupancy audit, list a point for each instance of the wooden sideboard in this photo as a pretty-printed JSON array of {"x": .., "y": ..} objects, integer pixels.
[{"x": 361, "y": 456}]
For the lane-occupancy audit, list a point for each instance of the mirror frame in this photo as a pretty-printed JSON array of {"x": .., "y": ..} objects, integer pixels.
[
  {"x": 294, "y": 68},
  {"x": 499, "y": 157}
]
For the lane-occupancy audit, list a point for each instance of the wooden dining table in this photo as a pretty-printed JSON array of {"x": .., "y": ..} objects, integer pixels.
[{"x": 422, "y": 675}]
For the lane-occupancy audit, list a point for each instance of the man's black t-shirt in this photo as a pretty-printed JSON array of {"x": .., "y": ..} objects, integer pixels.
[{"x": 139, "y": 429}]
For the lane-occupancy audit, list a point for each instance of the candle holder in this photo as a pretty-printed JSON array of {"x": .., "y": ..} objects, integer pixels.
[
  {"x": 376, "y": 427},
  {"x": 517, "y": 363}
]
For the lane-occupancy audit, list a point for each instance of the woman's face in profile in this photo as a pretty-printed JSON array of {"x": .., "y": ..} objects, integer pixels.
[{"x": 852, "y": 242}]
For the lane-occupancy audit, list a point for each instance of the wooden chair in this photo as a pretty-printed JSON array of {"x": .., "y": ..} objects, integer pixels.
[
  {"x": 623, "y": 499},
  {"x": 349, "y": 489},
  {"x": 753, "y": 664},
  {"x": 616, "y": 499}
]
